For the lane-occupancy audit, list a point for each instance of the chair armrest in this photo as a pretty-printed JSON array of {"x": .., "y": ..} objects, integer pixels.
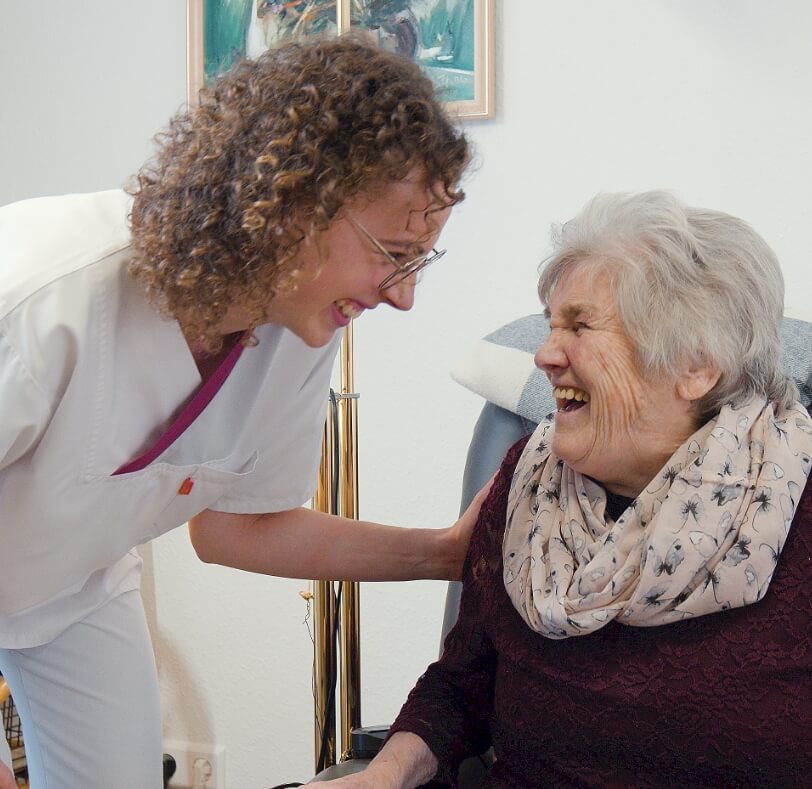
[{"x": 350, "y": 767}]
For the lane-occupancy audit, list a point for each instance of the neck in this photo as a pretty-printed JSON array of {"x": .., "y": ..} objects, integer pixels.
[
  {"x": 627, "y": 490},
  {"x": 206, "y": 361}
]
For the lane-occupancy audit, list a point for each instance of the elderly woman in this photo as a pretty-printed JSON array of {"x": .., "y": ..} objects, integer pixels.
[{"x": 637, "y": 596}]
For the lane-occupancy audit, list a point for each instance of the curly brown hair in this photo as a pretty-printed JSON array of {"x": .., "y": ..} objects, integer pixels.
[{"x": 268, "y": 158}]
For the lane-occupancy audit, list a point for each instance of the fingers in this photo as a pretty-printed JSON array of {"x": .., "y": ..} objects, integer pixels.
[
  {"x": 7, "y": 780},
  {"x": 476, "y": 502}
]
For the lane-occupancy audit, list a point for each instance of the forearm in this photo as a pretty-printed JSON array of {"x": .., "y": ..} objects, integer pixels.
[
  {"x": 403, "y": 763},
  {"x": 303, "y": 543}
]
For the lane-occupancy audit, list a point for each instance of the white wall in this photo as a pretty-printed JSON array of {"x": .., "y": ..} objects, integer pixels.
[{"x": 710, "y": 99}]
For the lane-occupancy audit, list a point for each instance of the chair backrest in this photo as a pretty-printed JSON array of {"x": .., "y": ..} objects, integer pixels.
[{"x": 500, "y": 368}]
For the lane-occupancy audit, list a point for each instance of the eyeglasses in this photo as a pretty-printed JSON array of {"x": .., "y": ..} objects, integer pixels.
[{"x": 412, "y": 270}]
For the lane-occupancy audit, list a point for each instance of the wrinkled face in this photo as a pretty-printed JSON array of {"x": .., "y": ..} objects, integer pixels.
[
  {"x": 611, "y": 422},
  {"x": 342, "y": 268}
]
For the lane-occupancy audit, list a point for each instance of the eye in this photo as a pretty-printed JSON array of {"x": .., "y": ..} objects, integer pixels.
[
  {"x": 579, "y": 327},
  {"x": 385, "y": 257}
]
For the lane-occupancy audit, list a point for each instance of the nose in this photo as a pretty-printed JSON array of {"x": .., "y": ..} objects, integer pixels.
[
  {"x": 400, "y": 296},
  {"x": 551, "y": 357}
]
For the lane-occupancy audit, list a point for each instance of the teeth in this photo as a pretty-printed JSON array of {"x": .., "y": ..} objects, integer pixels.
[
  {"x": 349, "y": 308},
  {"x": 571, "y": 394}
]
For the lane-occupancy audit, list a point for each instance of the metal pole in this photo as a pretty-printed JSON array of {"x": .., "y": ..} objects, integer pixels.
[
  {"x": 324, "y": 650},
  {"x": 337, "y": 493},
  {"x": 350, "y": 649}
]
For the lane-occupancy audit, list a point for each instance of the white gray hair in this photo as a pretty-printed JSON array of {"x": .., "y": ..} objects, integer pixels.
[{"x": 692, "y": 287}]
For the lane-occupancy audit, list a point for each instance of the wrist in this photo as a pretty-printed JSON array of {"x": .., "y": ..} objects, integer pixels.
[
  {"x": 444, "y": 555},
  {"x": 454, "y": 550},
  {"x": 381, "y": 776}
]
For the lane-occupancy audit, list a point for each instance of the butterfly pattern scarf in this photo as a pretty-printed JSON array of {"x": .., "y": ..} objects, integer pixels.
[{"x": 704, "y": 536}]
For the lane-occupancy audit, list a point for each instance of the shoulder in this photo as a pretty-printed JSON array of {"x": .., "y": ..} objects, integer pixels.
[
  {"x": 44, "y": 239},
  {"x": 64, "y": 281},
  {"x": 799, "y": 539},
  {"x": 495, "y": 506},
  {"x": 485, "y": 552},
  {"x": 791, "y": 587}
]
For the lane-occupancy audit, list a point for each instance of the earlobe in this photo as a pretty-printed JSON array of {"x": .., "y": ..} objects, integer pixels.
[{"x": 696, "y": 382}]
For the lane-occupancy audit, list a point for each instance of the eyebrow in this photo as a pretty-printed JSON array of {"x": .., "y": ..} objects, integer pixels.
[{"x": 571, "y": 311}]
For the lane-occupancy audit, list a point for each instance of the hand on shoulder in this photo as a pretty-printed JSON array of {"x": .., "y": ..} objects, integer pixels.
[{"x": 460, "y": 533}]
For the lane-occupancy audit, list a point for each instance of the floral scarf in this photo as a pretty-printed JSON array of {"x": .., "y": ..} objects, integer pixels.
[{"x": 704, "y": 536}]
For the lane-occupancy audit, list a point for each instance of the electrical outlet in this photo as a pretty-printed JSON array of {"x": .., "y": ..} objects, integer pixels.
[{"x": 199, "y": 766}]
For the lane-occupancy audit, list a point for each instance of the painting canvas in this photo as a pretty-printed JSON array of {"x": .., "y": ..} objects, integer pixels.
[
  {"x": 452, "y": 40},
  {"x": 220, "y": 32}
]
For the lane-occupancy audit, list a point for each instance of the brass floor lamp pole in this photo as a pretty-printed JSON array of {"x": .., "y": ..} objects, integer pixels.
[{"x": 337, "y": 493}]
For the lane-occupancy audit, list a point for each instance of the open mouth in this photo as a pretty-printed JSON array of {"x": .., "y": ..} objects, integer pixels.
[
  {"x": 349, "y": 308},
  {"x": 570, "y": 399}
]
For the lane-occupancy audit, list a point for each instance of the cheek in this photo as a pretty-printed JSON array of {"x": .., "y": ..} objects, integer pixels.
[{"x": 617, "y": 395}]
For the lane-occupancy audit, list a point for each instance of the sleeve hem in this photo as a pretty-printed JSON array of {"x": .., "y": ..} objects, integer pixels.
[
  {"x": 243, "y": 505},
  {"x": 447, "y": 768}
]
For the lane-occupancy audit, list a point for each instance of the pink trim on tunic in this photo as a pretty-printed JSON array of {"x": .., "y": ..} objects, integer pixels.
[{"x": 204, "y": 395}]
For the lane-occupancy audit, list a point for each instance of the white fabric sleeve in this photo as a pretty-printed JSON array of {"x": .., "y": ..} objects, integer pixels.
[{"x": 24, "y": 407}]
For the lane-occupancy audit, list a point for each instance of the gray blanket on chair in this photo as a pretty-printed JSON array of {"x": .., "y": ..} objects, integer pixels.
[{"x": 500, "y": 367}]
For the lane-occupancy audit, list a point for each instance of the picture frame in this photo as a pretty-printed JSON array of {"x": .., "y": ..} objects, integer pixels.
[{"x": 453, "y": 40}]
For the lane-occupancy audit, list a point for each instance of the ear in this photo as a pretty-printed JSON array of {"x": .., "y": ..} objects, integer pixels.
[{"x": 696, "y": 382}]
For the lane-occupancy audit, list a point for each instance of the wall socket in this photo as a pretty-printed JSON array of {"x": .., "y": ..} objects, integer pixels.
[{"x": 199, "y": 766}]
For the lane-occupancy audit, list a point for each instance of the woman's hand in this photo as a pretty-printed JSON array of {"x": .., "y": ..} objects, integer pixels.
[{"x": 460, "y": 533}]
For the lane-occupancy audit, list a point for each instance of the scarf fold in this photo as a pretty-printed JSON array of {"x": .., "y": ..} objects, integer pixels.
[{"x": 704, "y": 536}]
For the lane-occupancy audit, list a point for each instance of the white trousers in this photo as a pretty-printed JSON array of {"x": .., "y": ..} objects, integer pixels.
[{"x": 89, "y": 704}]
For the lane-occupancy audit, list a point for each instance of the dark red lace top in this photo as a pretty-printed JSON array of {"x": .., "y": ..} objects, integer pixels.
[{"x": 724, "y": 700}]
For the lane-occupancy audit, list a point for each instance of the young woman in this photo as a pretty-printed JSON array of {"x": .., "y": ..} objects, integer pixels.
[{"x": 165, "y": 357}]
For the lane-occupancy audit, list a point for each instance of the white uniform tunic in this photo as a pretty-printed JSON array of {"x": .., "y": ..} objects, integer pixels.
[{"x": 90, "y": 377}]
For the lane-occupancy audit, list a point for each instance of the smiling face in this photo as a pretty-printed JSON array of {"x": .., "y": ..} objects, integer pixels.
[
  {"x": 612, "y": 423},
  {"x": 341, "y": 268}
]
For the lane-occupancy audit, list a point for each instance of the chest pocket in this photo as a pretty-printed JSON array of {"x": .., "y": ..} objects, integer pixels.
[{"x": 169, "y": 495}]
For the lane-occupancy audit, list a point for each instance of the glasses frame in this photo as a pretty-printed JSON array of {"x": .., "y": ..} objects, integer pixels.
[{"x": 403, "y": 271}]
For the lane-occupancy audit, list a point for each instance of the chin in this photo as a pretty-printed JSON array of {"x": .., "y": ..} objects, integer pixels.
[
  {"x": 564, "y": 449},
  {"x": 315, "y": 341},
  {"x": 575, "y": 456},
  {"x": 315, "y": 338}
]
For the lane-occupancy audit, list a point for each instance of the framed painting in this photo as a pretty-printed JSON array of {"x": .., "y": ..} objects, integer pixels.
[{"x": 452, "y": 40}]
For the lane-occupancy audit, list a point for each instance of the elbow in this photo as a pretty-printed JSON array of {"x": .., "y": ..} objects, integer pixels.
[{"x": 202, "y": 539}]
